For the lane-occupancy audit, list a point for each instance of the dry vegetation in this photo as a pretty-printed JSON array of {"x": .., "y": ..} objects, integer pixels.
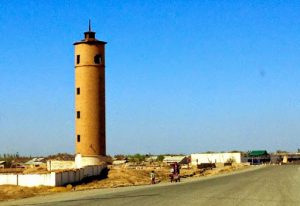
[
  {"x": 17, "y": 192},
  {"x": 120, "y": 177},
  {"x": 117, "y": 177}
]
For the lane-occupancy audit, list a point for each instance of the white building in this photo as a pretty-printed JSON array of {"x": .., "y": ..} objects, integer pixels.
[
  {"x": 119, "y": 162},
  {"x": 200, "y": 158},
  {"x": 2, "y": 164},
  {"x": 175, "y": 159},
  {"x": 35, "y": 162}
]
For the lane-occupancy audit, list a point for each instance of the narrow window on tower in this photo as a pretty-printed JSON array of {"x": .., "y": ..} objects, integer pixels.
[
  {"x": 78, "y": 59},
  {"x": 78, "y": 114},
  {"x": 78, "y": 90},
  {"x": 98, "y": 59},
  {"x": 78, "y": 138}
]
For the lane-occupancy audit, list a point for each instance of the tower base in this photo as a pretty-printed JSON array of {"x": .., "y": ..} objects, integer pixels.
[{"x": 82, "y": 161}]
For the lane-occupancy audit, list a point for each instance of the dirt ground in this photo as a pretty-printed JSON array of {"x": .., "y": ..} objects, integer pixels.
[{"x": 117, "y": 177}]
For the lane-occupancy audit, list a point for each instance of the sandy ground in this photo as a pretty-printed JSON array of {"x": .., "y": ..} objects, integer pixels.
[
  {"x": 117, "y": 177},
  {"x": 17, "y": 192}
]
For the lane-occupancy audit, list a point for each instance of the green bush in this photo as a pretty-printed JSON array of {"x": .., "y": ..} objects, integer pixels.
[{"x": 160, "y": 158}]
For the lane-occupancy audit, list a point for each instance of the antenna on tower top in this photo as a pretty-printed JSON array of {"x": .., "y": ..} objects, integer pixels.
[{"x": 90, "y": 25}]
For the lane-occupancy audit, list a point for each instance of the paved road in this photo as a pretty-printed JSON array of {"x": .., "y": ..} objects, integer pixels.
[{"x": 272, "y": 185}]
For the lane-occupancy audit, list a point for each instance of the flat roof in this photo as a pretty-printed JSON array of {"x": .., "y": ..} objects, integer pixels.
[
  {"x": 93, "y": 42},
  {"x": 258, "y": 153}
]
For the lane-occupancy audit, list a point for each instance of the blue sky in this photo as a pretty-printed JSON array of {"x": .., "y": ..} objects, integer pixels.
[{"x": 181, "y": 76}]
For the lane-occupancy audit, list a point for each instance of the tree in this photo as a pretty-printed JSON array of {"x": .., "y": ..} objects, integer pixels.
[
  {"x": 120, "y": 157},
  {"x": 136, "y": 158},
  {"x": 160, "y": 158}
]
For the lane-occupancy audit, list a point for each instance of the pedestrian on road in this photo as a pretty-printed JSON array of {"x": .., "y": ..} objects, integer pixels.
[
  {"x": 152, "y": 177},
  {"x": 176, "y": 171}
]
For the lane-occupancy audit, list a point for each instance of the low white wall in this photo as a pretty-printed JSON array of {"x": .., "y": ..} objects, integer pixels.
[
  {"x": 65, "y": 178},
  {"x": 31, "y": 180},
  {"x": 215, "y": 158},
  {"x": 51, "y": 179},
  {"x": 88, "y": 171},
  {"x": 8, "y": 179},
  {"x": 60, "y": 165}
]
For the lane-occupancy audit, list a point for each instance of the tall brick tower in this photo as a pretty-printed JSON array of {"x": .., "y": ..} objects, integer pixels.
[{"x": 89, "y": 99}]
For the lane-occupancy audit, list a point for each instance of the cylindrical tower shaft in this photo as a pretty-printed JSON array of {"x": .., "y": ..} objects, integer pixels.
[{"x": 90, "y": 96}]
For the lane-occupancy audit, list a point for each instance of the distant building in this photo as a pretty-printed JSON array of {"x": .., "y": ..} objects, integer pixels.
[
  {"x": 285, "y": 158},
  {"x": 258, "y": 157},
  {"x": 2, "y": 164},
  {"x": 176, "y": 159},
  {"x": 35, "y": 162},
  {"x": 151, "y": 159},
  {"x": 224, "y": 157},
  {"x": 119, "y": 162}
]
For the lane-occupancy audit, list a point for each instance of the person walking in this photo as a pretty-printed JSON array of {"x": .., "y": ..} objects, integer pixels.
[
  {"x": 152, "y": 177},
  {"x": 176, "y": 172}
]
